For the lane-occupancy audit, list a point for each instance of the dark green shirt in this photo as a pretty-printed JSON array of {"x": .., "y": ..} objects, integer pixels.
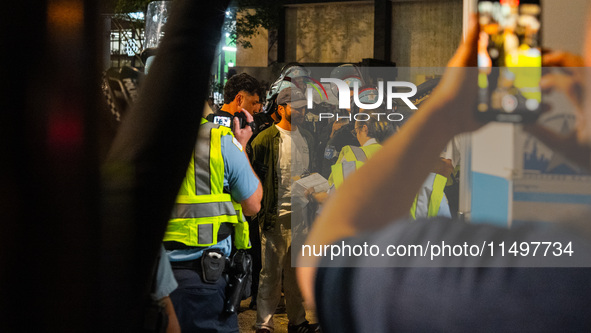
[{"x": 265, "y": 153}]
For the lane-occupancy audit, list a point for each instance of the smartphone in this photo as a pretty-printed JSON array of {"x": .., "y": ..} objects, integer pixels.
[{"x": 509, "y": 60}]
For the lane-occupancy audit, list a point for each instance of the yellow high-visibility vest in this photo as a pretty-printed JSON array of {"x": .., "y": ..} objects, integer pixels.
[
  {"x": 203, "y": 212},
  {"x": 435, "y": 198},
  {"x": 350, "y": 159}
]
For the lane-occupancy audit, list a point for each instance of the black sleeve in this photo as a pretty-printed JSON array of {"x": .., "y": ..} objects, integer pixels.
[
  {"x": 398, "y": 297},
  {"x": 333, "y": 299}
]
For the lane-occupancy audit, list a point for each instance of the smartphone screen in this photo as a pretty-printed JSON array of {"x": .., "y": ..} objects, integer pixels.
[{"x": 509, "y": 60}]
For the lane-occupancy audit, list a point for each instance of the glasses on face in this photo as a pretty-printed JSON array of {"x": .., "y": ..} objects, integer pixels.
[{"x": 356, "y": 129}]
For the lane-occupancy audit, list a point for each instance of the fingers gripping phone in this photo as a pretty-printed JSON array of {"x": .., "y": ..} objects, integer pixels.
[{"x": 509, "y": 60}]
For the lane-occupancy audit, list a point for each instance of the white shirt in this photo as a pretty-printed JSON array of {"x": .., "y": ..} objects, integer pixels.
[
  {"x": 293, "y": 160},
  {"x": 370, "y": 142}
]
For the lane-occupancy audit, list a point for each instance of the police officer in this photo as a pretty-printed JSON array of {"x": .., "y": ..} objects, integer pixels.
[
  {"x": 207, "y": 223},
  {"x": 352, "y": 157}
]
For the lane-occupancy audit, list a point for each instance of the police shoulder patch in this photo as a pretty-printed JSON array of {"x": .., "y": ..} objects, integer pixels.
[{"x": 237, "y": 144}]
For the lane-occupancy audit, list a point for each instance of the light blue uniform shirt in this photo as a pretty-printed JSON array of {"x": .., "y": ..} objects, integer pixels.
[{"x": 165, "y": 281}]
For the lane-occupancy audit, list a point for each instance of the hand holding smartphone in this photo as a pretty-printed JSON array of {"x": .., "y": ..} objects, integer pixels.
[{"x": 509, "y": 60}]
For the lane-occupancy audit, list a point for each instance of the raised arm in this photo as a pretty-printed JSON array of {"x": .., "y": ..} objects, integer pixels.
[
  {"x": 252, "y": 204},
  {"x": 570, "y": 83},
  {"x": 367, "y": 201}
]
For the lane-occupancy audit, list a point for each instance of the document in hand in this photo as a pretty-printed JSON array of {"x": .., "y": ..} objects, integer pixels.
[{"x": 315, "y": 181}]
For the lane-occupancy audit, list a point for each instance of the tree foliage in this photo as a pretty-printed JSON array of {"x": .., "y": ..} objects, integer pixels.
[
  {"x": 130, "y": 6},
  {"x": 252, "y": 15}
]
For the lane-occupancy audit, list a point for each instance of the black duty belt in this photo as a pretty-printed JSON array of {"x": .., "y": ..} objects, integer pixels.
[
  {"x": 191, "y": 264},
  {"x": 210, "y": 266}
]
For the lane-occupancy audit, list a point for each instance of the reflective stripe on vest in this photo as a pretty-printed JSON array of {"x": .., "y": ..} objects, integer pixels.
[
  {"x": 359, "y": 154},
  {"x": 201, "y": 205},
  {"x": 340, "y": 171},
  {"x": 352, "y": 159},
  {"x": 435, "y": 198}
]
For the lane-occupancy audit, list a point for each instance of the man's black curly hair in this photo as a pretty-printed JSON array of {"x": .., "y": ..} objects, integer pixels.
[{"x": 238, "y": 83}]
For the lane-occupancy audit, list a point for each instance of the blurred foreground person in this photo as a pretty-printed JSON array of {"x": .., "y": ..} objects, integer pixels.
[
  {"x": 147, "y": 165},
  {"x": 465, "y": 294}
]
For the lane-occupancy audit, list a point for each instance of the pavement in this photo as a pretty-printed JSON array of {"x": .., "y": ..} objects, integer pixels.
[{"x": 247, "y": 319}]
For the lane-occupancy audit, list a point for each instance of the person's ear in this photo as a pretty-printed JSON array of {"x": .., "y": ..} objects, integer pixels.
[
  {"x": 280, "y": 110},
  {"x": 239, "y": 98}
]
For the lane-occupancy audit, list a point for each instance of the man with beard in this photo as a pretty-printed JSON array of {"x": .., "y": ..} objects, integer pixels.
[{"x": 279, "y": 152}]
